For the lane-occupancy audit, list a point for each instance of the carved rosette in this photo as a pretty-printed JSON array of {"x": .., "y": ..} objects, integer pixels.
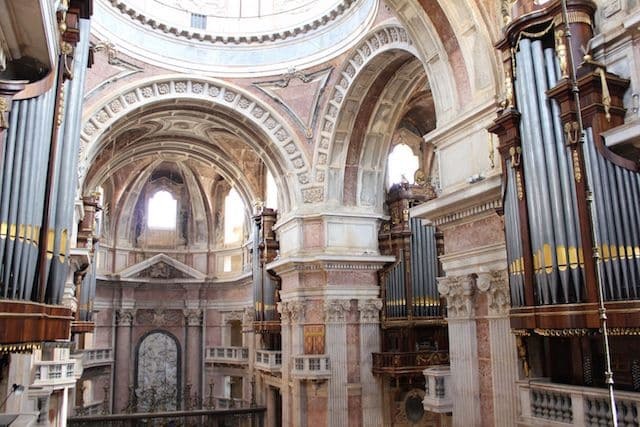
[
  {"x": 496, "y": 286},
  {"x": 193, "y": 316},
  {"x": 124, "y": 317},
  {"x": 335, "y": 311},
  {"x": 370, "y": 310},
  {"x": 459, "y": 291}
]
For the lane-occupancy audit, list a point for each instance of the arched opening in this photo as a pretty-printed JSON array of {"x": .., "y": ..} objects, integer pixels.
[
  {"x": 234, "y": 214},
  {"x": 158, "y": 373},
  {"x": 162, "y": 211},
  {"x": 402, "y": 165}
]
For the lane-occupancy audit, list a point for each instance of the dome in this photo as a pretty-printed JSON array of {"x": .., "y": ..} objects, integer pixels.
[{"x": 238, "y": 37}]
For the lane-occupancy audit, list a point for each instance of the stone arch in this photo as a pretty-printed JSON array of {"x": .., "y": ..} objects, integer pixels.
[
  {"x": 374, "y": 100},
  {"x": 454, "y": 37},
  {"x": 381, "y": 45},
  {"x": 237, "y": 103}
]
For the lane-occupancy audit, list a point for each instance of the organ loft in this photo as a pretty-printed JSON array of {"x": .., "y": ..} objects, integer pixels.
[{"x": 320, "y": 213}]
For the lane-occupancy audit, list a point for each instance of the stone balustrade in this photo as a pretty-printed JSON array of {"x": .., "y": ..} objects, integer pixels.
[
  {"x": 544, "y": 403},
  {"x": 311, "y": 367},
  {"x": 230, "y": 355},
  {"x": 438, "y": 389},
  {"x": 268, "y": 360},
  {"x": 97, "y": 357},
  {"x": 57, "y": 374}
]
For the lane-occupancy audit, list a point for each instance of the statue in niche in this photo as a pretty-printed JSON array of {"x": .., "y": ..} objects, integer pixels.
[{"x": 219, "y": 218}]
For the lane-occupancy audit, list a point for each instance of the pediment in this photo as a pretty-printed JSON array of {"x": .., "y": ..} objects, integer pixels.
[{"x": 161, "y": 267}]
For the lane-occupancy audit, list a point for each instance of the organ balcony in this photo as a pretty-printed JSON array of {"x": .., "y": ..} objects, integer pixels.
[
  {"x": 414, "y": 328},
  {"x": 395, "y": 363},
  {"x": 571, "y": 210}
]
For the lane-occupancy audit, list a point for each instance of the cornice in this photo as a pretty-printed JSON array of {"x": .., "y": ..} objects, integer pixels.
[
  {"x": 330, "y": 262},
  {"x": 471, "y": 200}
]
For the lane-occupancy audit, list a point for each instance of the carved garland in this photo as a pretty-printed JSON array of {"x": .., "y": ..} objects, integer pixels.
[
  {"x": 379, "y": 40},
  {"x": 216, "y": 92}
]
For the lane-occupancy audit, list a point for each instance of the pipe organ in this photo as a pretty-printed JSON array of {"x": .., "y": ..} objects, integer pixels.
[
  {"x": 414, "y": 330},
  {"x": 571, "y": 204},
  {"x": 39, "y": 140},
  {"x": 265, "y": 284}
]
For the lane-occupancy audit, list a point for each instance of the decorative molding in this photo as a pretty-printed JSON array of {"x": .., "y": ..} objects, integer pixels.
[
  {"x": 370, "y": 310},
  {"x": 472, "y": 200},
  {"x": 459, "y": 292},
  {"x": 336, "y": 310},
  {"x": 163, "y": 267},
  {"x": 231, "y": 316},
  {"x": 365, "y": 263},
  {"x": 496, "y": 285}
]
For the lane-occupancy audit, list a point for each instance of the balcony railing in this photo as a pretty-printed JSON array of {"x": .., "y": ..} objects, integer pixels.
[
  {"x": 57, "y": 374},
  {"x": 268, "y": 360},
  {"x": 232, "y": 355},
  {"x": 96, "y": 408},
  {"x": 544, "y": 402},
  {"x": 311, "y": 367},
  {"x": 238, "y": 416},
  {"x": 437, "y": 389},
  {"x": 408, "y": 362},
  {"x": 97, "y": 357}
]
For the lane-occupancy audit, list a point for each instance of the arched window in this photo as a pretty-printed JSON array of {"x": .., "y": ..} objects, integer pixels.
[
  {"x": 402, "y": 163},
  {"x": 271, "y": 196},
  {"x": 233, "y": 217},
  {"x": 162, "y": 210}
]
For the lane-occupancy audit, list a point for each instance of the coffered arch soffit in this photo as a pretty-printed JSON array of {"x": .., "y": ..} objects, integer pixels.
[
  {"x": 276, "y": 143},
  {"x": 378, "y": 103}
]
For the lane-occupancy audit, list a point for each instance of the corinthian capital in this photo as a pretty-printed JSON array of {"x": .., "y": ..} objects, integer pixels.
[
  {"x": 370, "y": 310},
  {"x": 496, "y": 285},
  {"x": 336, "y": 310},
  {"x": 458, "y": 291}
]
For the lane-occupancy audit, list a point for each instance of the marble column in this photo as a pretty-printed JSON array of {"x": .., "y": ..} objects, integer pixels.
[
  {"x": 463, "y": 348},
  {"x": 296, "y": 346},
  {"x": 285, "y": 322},
  {"x": 369, "y": 309},
  {"x": 193, "y": 351},
  {"x": 336, "y": 348},
  {"x": 123, "y": 368},
  {"x": 504, "y": 354}
]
